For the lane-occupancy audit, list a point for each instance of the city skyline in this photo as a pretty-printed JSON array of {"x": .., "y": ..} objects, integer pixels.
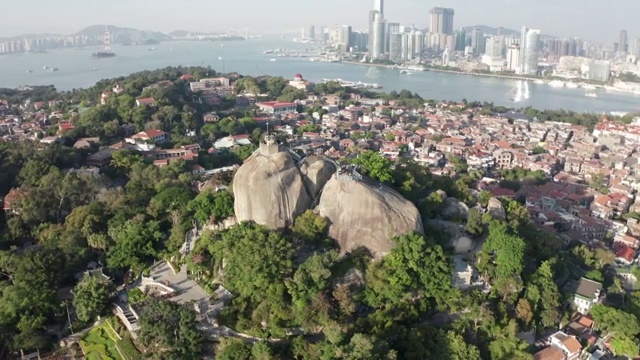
[{"x": 562, "y": 22}]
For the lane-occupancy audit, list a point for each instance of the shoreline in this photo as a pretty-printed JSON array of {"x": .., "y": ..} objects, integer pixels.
[{"x": 457, "y": 72}]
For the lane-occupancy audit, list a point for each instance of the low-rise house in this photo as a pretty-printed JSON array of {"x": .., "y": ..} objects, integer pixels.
[
  {"x": 149, "y": 136},
  {"x": 145, "y": 102},
  {"x": 211, "y": 118},
  {"x": 9, "y": 201},
  {"x": 231, "y": 141},
  {"x": 85, "y": 143},
  {"x": 549, "y": 353},
  {"x": 569, "y": 345},
  {"x": 586, "y": 295},
  {"x": 625, "y": 255}
]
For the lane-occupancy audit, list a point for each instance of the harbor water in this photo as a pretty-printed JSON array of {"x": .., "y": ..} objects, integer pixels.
[{"x": 78, "y": 70}]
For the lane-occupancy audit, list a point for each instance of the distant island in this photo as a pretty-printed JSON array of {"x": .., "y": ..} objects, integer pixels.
[{"x": 95, "y": 36}]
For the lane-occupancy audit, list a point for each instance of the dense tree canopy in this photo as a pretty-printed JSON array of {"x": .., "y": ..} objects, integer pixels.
[{"x": 168, "y": 330}]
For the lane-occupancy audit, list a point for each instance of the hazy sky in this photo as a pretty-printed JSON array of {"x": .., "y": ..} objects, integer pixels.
[{"x": 594, "y": 19}]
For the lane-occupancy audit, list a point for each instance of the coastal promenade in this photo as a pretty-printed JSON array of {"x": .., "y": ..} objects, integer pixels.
[{"x": 458, "y": 72}]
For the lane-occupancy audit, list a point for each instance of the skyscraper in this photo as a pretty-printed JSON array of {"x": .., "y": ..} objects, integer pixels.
[
  {"x": 477, "y": 41},
  {"x": 395, "y": 46},
  {"x": 461, "y": 40},
  {"x": 377, "y": 36},
  {"x": 529, "y": 51},
  {"x": 345, "y": 36},
  {"x": 622, "y": 43},
  {"x": 392, "y": 28},
  {"x": 441, "y": 20},
  {"x": 378, "y": 5}
]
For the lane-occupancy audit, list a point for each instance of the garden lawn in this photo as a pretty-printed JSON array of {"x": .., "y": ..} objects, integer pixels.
[{"x": 98, "y": 345}]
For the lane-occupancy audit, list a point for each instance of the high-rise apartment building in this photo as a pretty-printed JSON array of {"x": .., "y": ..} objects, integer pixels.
[
  {"x": 513, "y": 58},
  {"x": 622, "y": 43},
  {"x": 441, "y": 20},
  {"x": 529, "y": 51},
  {"x": 392, "y": 28},
  {"x": 344, "y": 37},
  {"x": 494, "y": 46},
  {"x": 359, "y": 40},
  {"x": 477, "y": 41},
  {"x": 395, "y": 47}
]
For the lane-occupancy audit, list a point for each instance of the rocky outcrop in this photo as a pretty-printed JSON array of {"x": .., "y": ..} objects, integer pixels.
[
  {"x": 268, "y": 189},
  {"x": 365, "y": 213},
  {"x": 315, "y": 174},
  {"x": 495, "y": 209},
  {"x": 453, "y": 208},
  {"x": 459, "y": 240}
]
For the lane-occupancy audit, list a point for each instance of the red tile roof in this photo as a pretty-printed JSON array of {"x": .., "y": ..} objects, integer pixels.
[
  {"x": 625, "y": 253},
  {"x": 276, "y": 104}
]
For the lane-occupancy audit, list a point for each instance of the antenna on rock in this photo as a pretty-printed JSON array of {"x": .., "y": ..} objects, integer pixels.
[{"x": 268, "y": 133}]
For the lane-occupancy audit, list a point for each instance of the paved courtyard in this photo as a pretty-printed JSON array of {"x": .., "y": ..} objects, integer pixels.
[{"x": 187, "y": 290}]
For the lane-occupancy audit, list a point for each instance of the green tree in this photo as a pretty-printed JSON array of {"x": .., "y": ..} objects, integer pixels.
[
  {"x": 255, "y": 257},
  {"x": 623, "y": 345},
  {"x": 232, "y": 349},
  {"x": 612, "y": 320},
  {"x": 91, "y": 298},
  {"x": 506, "y": 248},
  {"x": 543, "y": 293},
  {"x": 124, "y": 160},
  {"x": 311, "y": 277},
  {"x": 208, "y": 204},
  {"x": 414, "y": 265},
  {"x": 474, "y": 223},
  {"x": 459, "y": 349},
  {"x": 310, "y": 227},
  {"x": 375, "y": 166},
  {"x": 484, "y": 197},
  {"x": 134, "y": 244},
  {"x": 168, "y": 331}
]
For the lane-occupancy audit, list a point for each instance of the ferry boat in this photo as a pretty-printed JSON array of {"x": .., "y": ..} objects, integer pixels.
[
  {"x": 405, "y": 72},
  {"x": 591, "y": 94},
  {"x": 539, "y": 82}
]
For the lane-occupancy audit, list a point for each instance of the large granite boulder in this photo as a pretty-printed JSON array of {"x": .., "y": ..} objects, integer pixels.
[
  {"x": 454, "y": 209},
  {"x": 365, "y": 213},
  {"x": 315, "y": 174},
  {"x": 268, "y": 189},
  {"x": 495, "y": 209}
]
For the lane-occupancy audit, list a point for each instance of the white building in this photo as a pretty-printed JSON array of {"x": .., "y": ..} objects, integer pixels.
[
  {"x": 277, "y": 107},
  {"x": 513, "y": 58},
  {"x": 586, "y": 295}
]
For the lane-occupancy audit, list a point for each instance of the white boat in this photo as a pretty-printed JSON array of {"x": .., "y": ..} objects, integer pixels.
[
  {"x": 572, "y": 85},
  {"x": 588, "y": 86},
  {"x": 29, "y": 71},
  {"x": 416, "y": 68},
  {"x": 405, "y": 72},
  {"x": 591, "y": 94},
  {"x": 272, "y": 60},
  {"x": 556, "y": 83},
  {"x": 539, "y": 82}
]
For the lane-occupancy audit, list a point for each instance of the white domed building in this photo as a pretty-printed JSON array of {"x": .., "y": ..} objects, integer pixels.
[{"x": 300, "y": 83}]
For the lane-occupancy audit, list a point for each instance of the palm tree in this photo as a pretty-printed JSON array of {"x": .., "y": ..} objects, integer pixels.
[{"x": 98, "y": 241}]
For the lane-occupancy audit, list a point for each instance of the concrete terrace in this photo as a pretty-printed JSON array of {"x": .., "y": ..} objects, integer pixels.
[{"x": 186, "y": 290}]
